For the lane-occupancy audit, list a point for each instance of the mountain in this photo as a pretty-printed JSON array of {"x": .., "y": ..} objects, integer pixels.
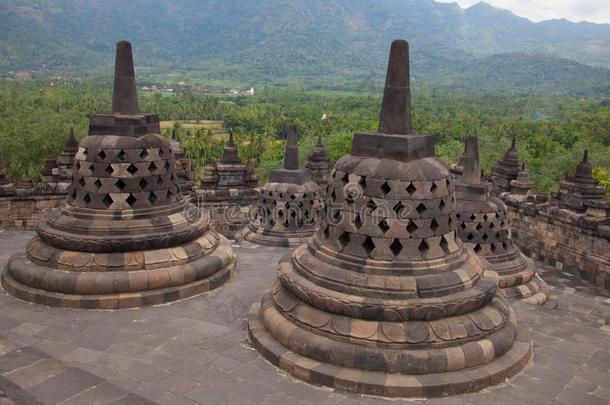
[{"x": 266, "y": 40}]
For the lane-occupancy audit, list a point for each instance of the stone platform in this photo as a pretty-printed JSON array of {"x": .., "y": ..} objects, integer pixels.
[{"x": 197, "y": 351}]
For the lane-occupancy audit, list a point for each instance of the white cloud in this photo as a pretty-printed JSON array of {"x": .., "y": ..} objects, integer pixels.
[{"x": 538, "y": 10}]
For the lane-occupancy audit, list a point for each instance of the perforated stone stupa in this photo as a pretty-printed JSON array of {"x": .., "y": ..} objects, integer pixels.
[
  {"x": 383, "y": 299},
  {"x": 125, "y": 236},
  {"x": 318, "y": 163},
  {"x": 484, "y": 226},
  {"x": 288, "y": 205}
]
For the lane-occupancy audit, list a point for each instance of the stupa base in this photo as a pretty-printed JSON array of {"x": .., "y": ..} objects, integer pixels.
[
  {"x": 536, "y": 291},
  {"x": 387, "y": 384},
  {"x": 174, "y": 283},
  {"x": 263, "y": 237}
]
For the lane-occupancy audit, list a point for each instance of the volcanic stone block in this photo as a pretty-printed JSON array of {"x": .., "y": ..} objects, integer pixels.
[
  {"x": 124, "y": 236},
  {"x": 368, "y": 307}
]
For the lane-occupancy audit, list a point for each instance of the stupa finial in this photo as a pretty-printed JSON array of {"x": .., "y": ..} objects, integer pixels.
[
  {"x": 231, "y": 140},
  {"x": 585, "y": 156},
  {"x": 291, "y": 160},
  {"x": 472, "y": 170},
  {"x": 320, "y": 138},
  {"x": 395, "y": 117},
  {"x": 124, "y": 94},
  {"x": 174, "y": 134},
  {"x": 513, "y": 145}
]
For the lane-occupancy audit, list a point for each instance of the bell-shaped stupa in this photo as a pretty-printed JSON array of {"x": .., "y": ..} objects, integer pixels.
[
  {"x": 125, "y": 236},
  {"x": 288, "y": 204},
  {"x": 484, "y": 226},
  {"x": 383, "y": 299}
]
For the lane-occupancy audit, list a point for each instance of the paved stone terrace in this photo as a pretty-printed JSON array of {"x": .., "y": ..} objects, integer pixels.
[{"x": 196, "y": 351}]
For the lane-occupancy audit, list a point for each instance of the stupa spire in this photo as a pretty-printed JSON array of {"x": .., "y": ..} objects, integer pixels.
[
  {"x": 395, "y": 117},
  {"x": 584, "y": 169},
  {"x": 231, "y": 140},
  {"x": 291, "y": 159},
  {"x": 472, "y": 170},
  {"x": 124, "y": 94},
  {"x": 513, "y": 145}
]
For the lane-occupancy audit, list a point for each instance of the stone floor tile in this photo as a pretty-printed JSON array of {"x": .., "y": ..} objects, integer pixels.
[
  {"x": 102, "y": 394},
  {"x": 64, "y": 385}
]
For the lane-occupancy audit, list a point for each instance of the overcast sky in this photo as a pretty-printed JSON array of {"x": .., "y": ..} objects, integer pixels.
[{"x": 537, "y": 10}]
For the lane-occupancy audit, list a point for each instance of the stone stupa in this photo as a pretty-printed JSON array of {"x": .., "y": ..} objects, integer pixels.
[
  {"x": 582, "y": 193},
  {"x": 186, "y": 176},
  {"x": 125, "y": 236},
  {"x": 288, "y": 204},
  {"x": 318, "y": 163},
  {"x": 507, "y": 169},
  {"x": 384, "y": 300},
  {"x": 57, "y": 172},
  {"x": 483, "y": 225}
]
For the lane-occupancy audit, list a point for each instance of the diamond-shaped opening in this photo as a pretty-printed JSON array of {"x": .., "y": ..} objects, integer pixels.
[
  {"x": 458, "y": 215},
  {"x": 421, "y": 208},
  {"x": 293, "y": 213},
  {"x": 398, "y": 208},
  {"x": 77, "y": 165},
  {"x": 411, "y": 189},
  {"x": 498, "y": 236},
  {"x": 272, "y": 222},
  {"x": 449, "y": 222},
  {"x": 144, "y": 154},
  {"x": 109, "y": 170},
  {"x": 292, "y": 196},
  {"x": 306, "y": 214},
  {"x": 470, "y": 237},
  {"x": 362, "y": 182},
  {"x": 152, "y": 167},
  {"x": 122, "y": 155},
  {"x": 478, "y": 227},
  {"x": 131, "y": 200},
  {"x": 485, "y": 217},
  {"x": 368, "y": 245},
  {"x": 385, "y": 188},
  {"x": 497, "y": 215},
  {"x": 383, "y": 225},
  {"x": 463, "y": 226},
  {"x": 107, "y": 201},
  {"x": 143, "y": 183},
  {"x": 132, "y": 169},
  {"x": 102, "y": 155},
  {"x": 87, "y": 199},
  {"x": 423, "y": 247},
  {"x": 82, "y": 181},
  {"x": 502, "y": 223},
  {"x": 396, "y": 247},
  {"x": 433, "y": 187},
  {"x": 493, "y": 248},
  {"x": 343, "y": 239},
  {"x": 492, "y": 225},
  {"x": 485, "y": 236},
  {"x": 358, "y": 222},
  {"x": 371, "y": 205},
  {"x": 152, "y": 198},
  {"x": 477, "y": 248},
  {"x": 444, "y": 245},
  {"x": 333, "y": 196},
  {"x": 504, "y": 245},
  {"x": 442, "y": 204},
  {"x": 120, "y": 184},
  {"x": 327, "y": 232},
  {"x": 98, "y": 184},
  {"x": 167, "y": 165},
  {"x": 434, "y": 225},
  {"x": 412, "y": 227},
  {"x": 160, "y": 180},
  {"x": 280, "y": 213}
]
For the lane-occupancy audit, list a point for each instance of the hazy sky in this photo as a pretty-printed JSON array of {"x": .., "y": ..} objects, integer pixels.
[{"x": 537, "y": 10}]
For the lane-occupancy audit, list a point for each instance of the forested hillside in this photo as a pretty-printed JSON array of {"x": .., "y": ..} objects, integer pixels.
[{"x": 307, "y": 40}]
